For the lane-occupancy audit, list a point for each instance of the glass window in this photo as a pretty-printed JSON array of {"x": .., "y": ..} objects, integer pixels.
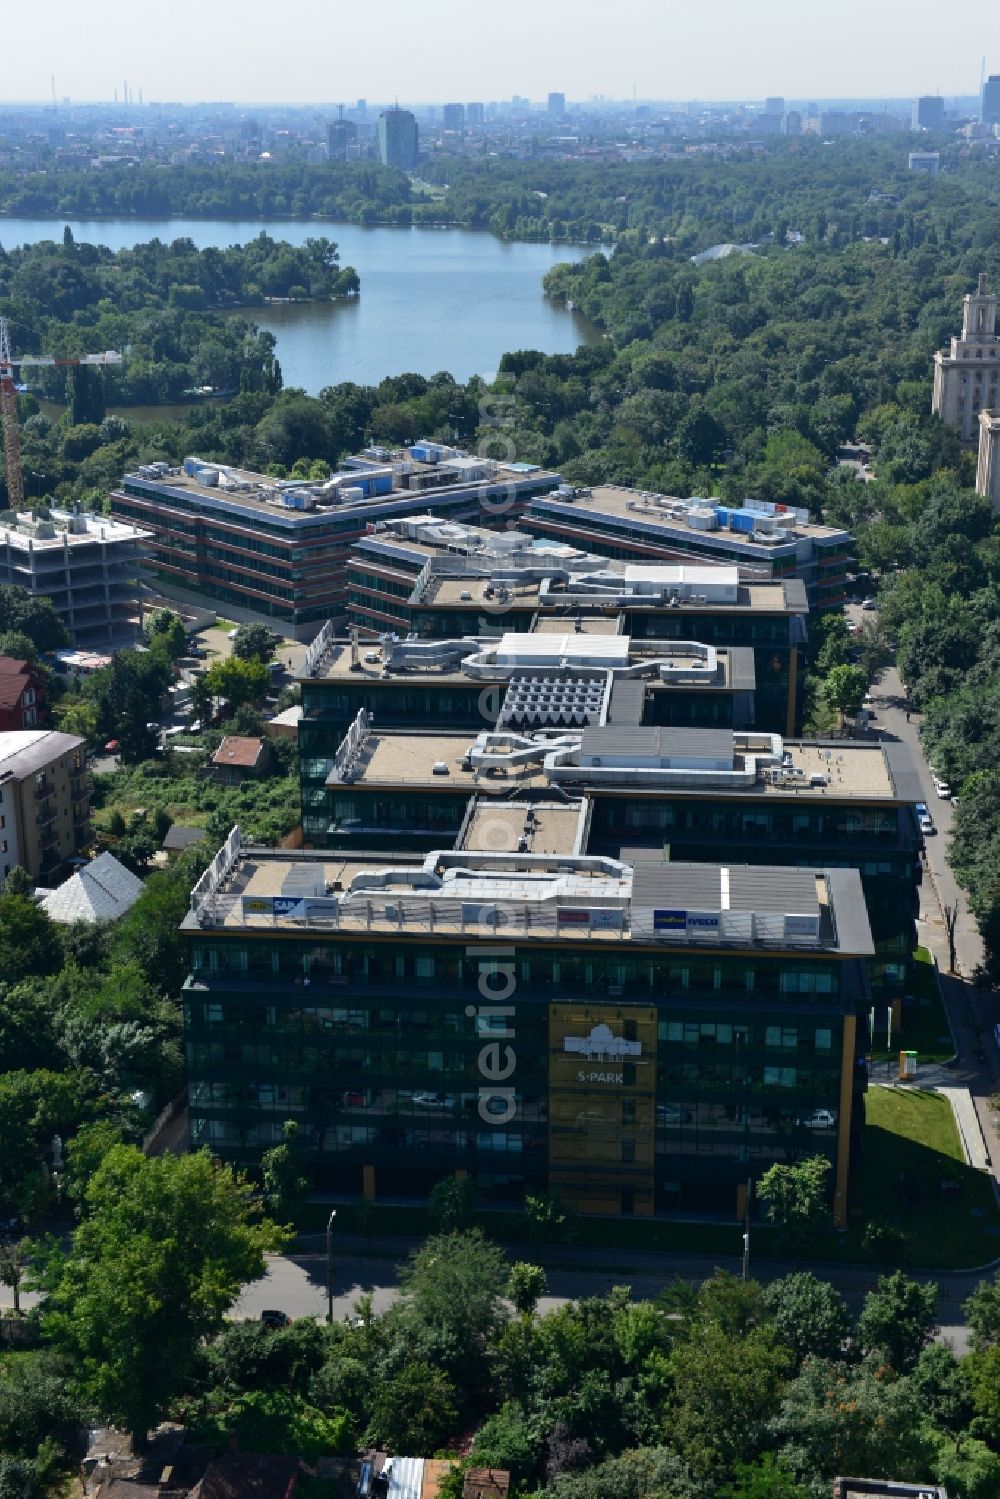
[{"x": 824, "y": 1039}]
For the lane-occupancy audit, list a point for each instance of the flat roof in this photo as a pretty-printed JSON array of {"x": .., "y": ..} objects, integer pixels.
[
  {"x": 649, "y": 508},
  {"x": 734, "y": 664},
  {"x": 406, "y": 759},
  {"x": 630, "y": 759},
  {"x": 468, "y": 894},
  {"x": 446, "y": 591},
  {"x": 69, "y": 528},
  {"x": 254, "y": 494},
  {"x": 496, "y": 826}
]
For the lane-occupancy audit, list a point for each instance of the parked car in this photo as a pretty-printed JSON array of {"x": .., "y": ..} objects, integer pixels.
[
  {"x": 943, "y": 790},
  {"x": 434, "y": 1100},
  {"x": 920, "y": 808},
  {"x": 927, "y": 825},
  {"x": 818, "y": 1119},
  {"x": 869, "y": 605},
  {"x": 111, "y": 748},
  {"x": 275, "y": 1320}
]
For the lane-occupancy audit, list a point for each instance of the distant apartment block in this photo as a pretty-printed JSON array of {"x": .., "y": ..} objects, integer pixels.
[
  {"x": 279, "y": 548},
  {"x": 967, "y": 374},
  {"x": 397, "y": 136},
  {"x": 89, "y": 566},
  {"x": 454, "y": 116},
  {"x": 557, "y": 105},
  {"x": 475, "y": 114},
  {"x": 776, "y": 541},
  {"x": 44, "y": 801}
]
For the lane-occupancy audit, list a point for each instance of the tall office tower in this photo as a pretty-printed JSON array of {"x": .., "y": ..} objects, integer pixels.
[
  {"x": 967, "y": 374},
  {"x": 361, "y": 108},
  {"x": 557, "y": 105},
  {"x": 928, "y": 113},
  {"x": 475, "y": 114},
  {"x": 397, "y": 139},
  {"x": 339, "y": 135},
  {"x": 990, "y": 113},
  {"x": 774, "y": 105},
  {"x": 454, "y": 117}
]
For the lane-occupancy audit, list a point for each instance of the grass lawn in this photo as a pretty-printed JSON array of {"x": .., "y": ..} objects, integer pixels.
[
  {"x": 924, "y": 1024},
  {"x": 913, "y": 1130}
]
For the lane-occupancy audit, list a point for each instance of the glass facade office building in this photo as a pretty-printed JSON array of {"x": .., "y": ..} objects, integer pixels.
[{"x": 548, "y": 1025}]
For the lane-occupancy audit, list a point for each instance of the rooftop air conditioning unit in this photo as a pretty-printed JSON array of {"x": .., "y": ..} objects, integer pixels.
[{"x": 440, "y": 768}]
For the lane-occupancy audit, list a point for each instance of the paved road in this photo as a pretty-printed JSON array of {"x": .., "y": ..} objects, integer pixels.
[
  {"x": 296, "y": 1284},
  {"x": 972, "y": 1012}
]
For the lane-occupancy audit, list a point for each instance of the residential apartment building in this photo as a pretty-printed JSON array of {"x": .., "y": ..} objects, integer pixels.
[
  {"x": 279, "y": 548},
  {"x": 44, "y": 801},
  {"x": 21, "y": 697},
  {"x": 967, "y": 373},
  {"x": 640, "y": 792},
  {"x": 89, "y": 566},
  {"x": 635, "y": 1038},
  {"x": 774, "y": 541}
]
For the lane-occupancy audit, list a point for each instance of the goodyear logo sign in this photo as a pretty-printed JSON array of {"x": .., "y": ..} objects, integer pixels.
[{"x": 670, "y": 921}]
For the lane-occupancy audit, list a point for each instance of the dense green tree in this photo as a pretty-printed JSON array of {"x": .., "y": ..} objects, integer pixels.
[
  {"x": 836, "y": 1418},
  {"x": 795, "y": 1199},
  {"x": 526, "y": 1284},
  {"x": 810, "y": 1316},
  {"x": 254, "y": 642},
  {"x": 163, "y": 1249},
  {"x": 28, "y": 942},
  {"x": 725, "y": 1391},
  {"x": 285, "y": 1184},
  {"x": 898, "y": 1320}
]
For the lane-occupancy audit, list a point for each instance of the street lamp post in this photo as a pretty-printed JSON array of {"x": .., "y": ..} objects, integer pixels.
[{"x": 329, "y": 1266}]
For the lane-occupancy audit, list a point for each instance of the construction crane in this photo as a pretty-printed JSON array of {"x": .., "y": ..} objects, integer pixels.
[{"x": 8, "y": 404}]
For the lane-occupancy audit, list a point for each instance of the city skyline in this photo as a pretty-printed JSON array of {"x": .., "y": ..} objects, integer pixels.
[{"x": 655, "y": 52}]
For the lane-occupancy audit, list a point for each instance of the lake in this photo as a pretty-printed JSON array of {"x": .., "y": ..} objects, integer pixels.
[{"x": 431, "y": 299}]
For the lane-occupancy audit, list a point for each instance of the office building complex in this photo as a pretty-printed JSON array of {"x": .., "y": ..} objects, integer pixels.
[
  {"x": 44, "y": 801},
  {"x": 475, "y": 114},
  {"x": 454, "y": 116},
  {"x": 777, "y": 541},
  {"x": 397, "y": 139},
  {"x": 967, "y": 374},
  {"x": 89, "y": 566},
  {"x": 928, "y": 112},
  {"x": 774, "y": 105},
  {"x": 634, "y": 1038},
  {"x": 588, "y": 738},
  {"x": 279, "y": 548},
  {"x": 446, "y": 581},
  {"x": 557, "y": 105}
]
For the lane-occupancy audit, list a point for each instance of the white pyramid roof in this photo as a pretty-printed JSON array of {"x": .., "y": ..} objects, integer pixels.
[{"x": 101, "y": 891}]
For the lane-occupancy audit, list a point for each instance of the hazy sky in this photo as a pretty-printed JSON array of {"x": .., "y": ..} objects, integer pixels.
[{"x": 435, "y": 50}]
